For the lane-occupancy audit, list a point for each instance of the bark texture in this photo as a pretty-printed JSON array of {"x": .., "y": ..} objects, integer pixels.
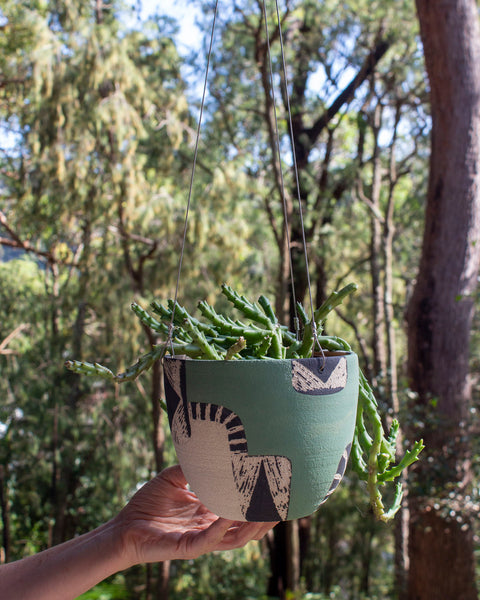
[{"x": 441, "y": 309}]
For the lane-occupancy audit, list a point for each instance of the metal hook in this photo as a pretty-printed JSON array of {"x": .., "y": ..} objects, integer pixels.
[
  {"x": 316, "y": 342},
  {"x": 169, "y": 339}
]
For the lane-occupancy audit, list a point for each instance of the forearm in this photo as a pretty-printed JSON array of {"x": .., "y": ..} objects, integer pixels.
[
  {"x": 65, "y": 571},
  {"x": 164, "y": 520}
]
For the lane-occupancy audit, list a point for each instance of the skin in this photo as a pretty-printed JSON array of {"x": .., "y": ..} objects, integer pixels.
[{"x": 163, "y": 521}]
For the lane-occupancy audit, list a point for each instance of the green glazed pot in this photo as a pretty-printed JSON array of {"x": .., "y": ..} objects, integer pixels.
[{"x": 262, "y": 440}]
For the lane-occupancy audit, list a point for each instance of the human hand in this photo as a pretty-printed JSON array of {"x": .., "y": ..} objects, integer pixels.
[{"x": 165, "y": 520}]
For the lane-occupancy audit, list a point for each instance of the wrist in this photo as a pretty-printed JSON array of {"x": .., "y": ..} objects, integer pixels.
[
  {"x": 126, "y": 541},
  {"x": 117, "y": 539}
]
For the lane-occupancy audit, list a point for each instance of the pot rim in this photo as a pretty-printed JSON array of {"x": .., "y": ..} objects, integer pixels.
[{"x": 268, "y": 360}]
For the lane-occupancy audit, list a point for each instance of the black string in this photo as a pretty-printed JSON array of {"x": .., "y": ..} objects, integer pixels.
[
  {"x": 282, "y": 183},
  {"x": 297, "y": 180},
  {"x": 187, "y": 212}
]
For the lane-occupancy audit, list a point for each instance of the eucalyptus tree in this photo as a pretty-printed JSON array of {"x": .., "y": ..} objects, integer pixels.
[
  {"x": 391, "y": 159},
  {"x": 331, "y": 51}
]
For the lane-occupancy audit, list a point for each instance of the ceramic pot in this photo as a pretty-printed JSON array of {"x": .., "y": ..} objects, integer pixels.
[{"x": 262, "y": 440}]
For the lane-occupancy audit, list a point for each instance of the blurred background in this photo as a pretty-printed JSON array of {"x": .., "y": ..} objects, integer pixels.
[{"x": 99, "y": 107}]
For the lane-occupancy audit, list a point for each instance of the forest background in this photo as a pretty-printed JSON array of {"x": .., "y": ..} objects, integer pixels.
[{"x": 98, "y": 114}]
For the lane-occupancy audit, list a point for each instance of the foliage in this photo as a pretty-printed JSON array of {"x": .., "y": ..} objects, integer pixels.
[
  {"x": 344, "y": 558},
  {"x": 92, "y": 186},
  {"x": 229, "y": 575},
  {"x": 94, "y": 167},
  {"x": 84, "y": 98},
  {"x": 41, "y": 425},
  {"x": 105, "y": 591},
  {"x": 326, "y": 47}
]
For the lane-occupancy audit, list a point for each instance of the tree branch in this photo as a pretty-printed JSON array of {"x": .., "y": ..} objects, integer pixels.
[
  {"x": 17, "y": 331},
  {"x": 136, "y": 273},
  {"x": 14, "y": 241},
  {"x": 5, "y": 82},
  {"x": 348, "y": 93}
]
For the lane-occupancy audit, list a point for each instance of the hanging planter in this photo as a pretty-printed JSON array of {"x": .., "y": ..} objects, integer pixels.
[
  {"x": 263, "y": 429},
  {"x": 263, "y": 440}
]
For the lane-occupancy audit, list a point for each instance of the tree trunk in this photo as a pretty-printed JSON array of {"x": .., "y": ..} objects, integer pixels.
[
  {"x": 441, "y": 309},
  {"x": 157, "y": 589},
  {"x": 391, "y": 379},
  {"x": 376, "y": 252},
  {"x": 284, "y": 560},
  {"x": 277, "y": 555},
  {"x": 5, "y": 515},
  {"x": 293, "y": 551}
]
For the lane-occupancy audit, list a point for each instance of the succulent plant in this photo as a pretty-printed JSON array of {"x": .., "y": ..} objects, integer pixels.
[{"x": 259, "y": 335}]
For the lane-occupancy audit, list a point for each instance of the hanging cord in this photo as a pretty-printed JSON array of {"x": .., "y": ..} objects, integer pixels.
[
  {"x": 297, "y": 183},
  {"x": 282, "y": 183},
  {"x": 297, "y": 180},
  {"x": 192, "y": 176}
]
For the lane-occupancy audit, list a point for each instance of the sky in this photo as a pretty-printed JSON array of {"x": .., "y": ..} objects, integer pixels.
[
  {"x": 183, "y": 11},
  {"x": 188, "y": 38}
]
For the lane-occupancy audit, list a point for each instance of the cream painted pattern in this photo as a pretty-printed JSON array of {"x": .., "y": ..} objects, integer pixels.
[{"x": 305, "y": 381}]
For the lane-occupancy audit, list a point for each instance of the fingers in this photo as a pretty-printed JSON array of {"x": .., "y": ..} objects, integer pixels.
[
  {"x": 208, "y": 540},
  {"x": 224, "y": 534},
  {"x": 242, "y": 533},
  {"x": 264, "y": 529}
]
